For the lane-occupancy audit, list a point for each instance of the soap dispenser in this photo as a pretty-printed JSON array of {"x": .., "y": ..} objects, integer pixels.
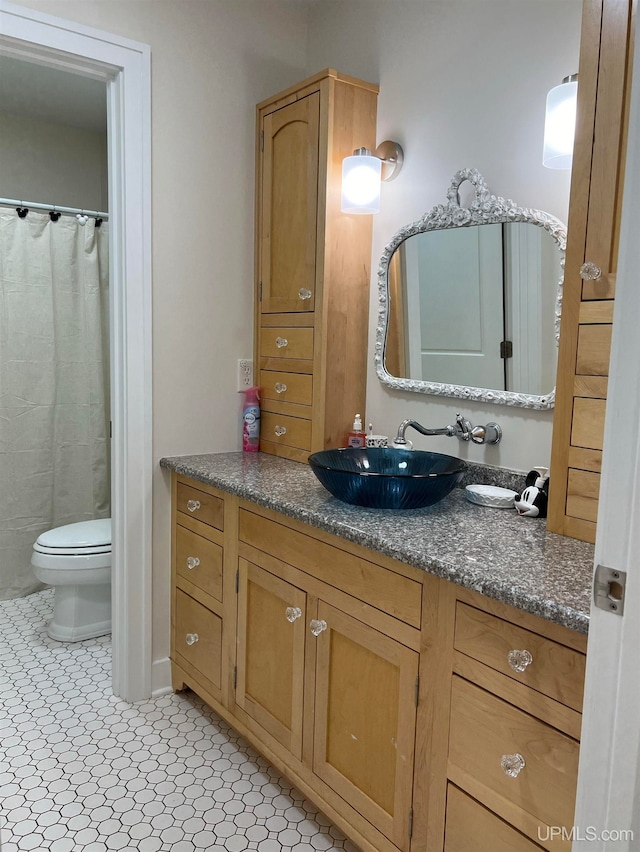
[{"x": 356, "y": 437}]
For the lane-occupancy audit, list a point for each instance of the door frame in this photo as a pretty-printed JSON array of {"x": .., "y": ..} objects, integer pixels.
[
  {"x": 124, "y": 66},
  {"x": 609, "y": 773}
]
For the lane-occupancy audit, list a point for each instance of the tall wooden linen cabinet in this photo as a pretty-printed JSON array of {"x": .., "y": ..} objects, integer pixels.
[
  {"x": 312, "y": 264},
  {"x": 589, "y": 284}
]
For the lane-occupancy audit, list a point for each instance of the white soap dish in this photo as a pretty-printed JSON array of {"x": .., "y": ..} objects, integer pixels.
[{"x": 491, "y": 495}]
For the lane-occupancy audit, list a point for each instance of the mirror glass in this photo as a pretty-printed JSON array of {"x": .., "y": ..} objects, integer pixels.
[{"x": 470, "y": 301}]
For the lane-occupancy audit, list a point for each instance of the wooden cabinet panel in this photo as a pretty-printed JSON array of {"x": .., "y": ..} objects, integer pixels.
[
  {"x": 471, "y": 827},
  {"x": 285, "y": 430},
  {"x": 289, "y": 206},
  {"x": 287, "y": 343},
  {"x": 555, "y": 670},
  {"x": 286, "y": 387},
  {"x": 587, "y": 429},
  {"x": 594, "y": 348},
  {"x": 199, "y": 561},
  {"x": 392, "y": 593},
  {"x": 272, "y": 621},
  {"x": 597, "y": 312},
  {"x": 198, "y": 637},
  {"x": 198, "y": 504},
  {"x": 485, "y": 728},
  {"x": 365, "y": 714},
  {"x": 583, "y": 489}
]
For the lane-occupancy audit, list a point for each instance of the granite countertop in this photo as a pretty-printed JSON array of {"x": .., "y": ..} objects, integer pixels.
[{"x": 493, "y": 551}]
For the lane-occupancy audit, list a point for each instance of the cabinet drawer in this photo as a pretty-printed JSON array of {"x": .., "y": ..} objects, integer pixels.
[
  {"x": 583, "y": 491},
  {"x": 392, "y": 593},
  {"x": 198, "y": 504},
  {"x": 594, "y": 349},
  {"x": 199, "y": 561},
  {"x": 286, "y": 387},
  {"x": 282, "y": 429},
  {"x": 198, "y": 636},
  {"x": 470, "y": 826},
  {"x": 555, "y": 670},
  {"x": 286, "y": 343},
  {"x": 587, "y": 426},
  {"x": 484, "y": 729}
]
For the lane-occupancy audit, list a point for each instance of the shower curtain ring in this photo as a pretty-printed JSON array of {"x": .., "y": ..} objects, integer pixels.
[
  {"x": 54, "y": 215},
  {"x": 82, "y": 219},
  {"x": 22, "y": 211}
]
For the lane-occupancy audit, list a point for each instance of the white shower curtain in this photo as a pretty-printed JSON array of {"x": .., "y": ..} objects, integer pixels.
[{"x": 54, "y": 383}]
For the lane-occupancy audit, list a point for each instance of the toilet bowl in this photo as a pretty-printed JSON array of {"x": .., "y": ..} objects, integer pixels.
[{"x": 76, "y": 561}]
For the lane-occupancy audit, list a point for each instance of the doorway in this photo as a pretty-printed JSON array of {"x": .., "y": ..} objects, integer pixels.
[{"x": 59, "y": 44}]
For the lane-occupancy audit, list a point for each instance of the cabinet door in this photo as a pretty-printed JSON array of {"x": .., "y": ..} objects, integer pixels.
[
  {"x": 289, "y": 207},
  {"x": 271, "y": 637},
  {"x": 365, "y": 720}
]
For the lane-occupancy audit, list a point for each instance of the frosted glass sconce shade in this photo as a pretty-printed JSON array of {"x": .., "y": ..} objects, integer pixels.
[
  {"x": 362, "y": 173},
  {"x": 560, "y": 124}
]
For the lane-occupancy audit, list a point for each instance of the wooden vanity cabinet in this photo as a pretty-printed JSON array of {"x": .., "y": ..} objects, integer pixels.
[
  {"x": 514, "y": 725},
  {"x": 595, "y": 204},
  {"x": 388, "y": 696},
  {"x": 327, "y": 674},
  {"x": 197, "y": 589},
  {"x": 312, "y": 264}
]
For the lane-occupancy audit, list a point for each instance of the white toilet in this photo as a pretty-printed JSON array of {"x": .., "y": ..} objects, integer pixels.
[{"x": 76, "y": 561}]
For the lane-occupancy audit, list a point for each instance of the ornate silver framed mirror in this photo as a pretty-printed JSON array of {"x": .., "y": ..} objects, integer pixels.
[{"x": 469, "y": 301}]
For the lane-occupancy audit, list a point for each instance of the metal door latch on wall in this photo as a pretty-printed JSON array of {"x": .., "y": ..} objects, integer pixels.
[{"x": 609, "y": 588}]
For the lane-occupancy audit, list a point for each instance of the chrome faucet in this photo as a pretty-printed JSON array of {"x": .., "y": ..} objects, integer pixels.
[{"x": 461, "y": 429}]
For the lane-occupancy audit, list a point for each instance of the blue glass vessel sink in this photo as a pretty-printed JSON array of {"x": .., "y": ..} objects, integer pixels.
[{"x": 386, "y": 478}]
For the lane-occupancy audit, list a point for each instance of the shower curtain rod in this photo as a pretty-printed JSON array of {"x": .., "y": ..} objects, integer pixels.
[{"x": 12, "y": 202}]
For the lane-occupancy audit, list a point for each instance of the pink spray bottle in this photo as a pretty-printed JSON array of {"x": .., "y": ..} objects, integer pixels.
[{"x": 251, "y": 420}]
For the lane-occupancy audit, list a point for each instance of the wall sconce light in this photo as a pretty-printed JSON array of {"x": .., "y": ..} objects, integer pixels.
[
  {"x": 362, "y": 173},
  {"x": 560, "y": 124}
]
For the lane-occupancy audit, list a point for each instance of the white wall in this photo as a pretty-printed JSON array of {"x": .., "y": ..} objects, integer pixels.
[
  {"x": 462, "y": 84},
  {"x": 212, "y": 61},
  {"x": 52, "y": 163}
]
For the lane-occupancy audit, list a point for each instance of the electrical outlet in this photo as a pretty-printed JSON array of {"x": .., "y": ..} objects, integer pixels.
[{"x": 245, "y": 373}]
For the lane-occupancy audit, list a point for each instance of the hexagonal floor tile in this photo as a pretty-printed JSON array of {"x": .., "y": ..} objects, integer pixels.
[{"x": 85, "y": 770}]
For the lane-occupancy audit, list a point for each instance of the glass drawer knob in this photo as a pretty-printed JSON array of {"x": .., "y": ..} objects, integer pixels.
[
  {"x": 292, "y": 613},
  {"x": 317, "y": 625},
  {"x": 280, "y": 387},
  {"x": 280, "y": 431},
  {"x": 590, "y": 271},
  {"x": 281, "y": 342},
  {"x": 193, "y": 505},
  {"x": 304, "y": 294},
  {"x": 192, "y": 562},
  {"x": 519, "y": 660},
  {"x": 191, "y": 638},
  {"x": 512, "y": 764}
]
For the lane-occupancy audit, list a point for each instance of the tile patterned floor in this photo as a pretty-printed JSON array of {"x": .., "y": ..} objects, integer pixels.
[{"x": 83, "y": 771}]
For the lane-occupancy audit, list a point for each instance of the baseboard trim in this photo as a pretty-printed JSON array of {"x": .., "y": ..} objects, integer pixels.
[{"x": 160, "y": 677}]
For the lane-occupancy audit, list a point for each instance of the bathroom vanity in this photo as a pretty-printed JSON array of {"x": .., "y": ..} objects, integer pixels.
[{"x": 418, "y": 675}]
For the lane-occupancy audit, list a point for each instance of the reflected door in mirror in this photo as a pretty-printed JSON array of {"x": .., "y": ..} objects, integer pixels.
[{"x": 475, "y": 306}]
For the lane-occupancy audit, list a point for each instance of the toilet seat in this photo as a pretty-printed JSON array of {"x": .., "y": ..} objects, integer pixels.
[
  {"x": 71, "y": 551},
  {"x": 85, "y": 538}
]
